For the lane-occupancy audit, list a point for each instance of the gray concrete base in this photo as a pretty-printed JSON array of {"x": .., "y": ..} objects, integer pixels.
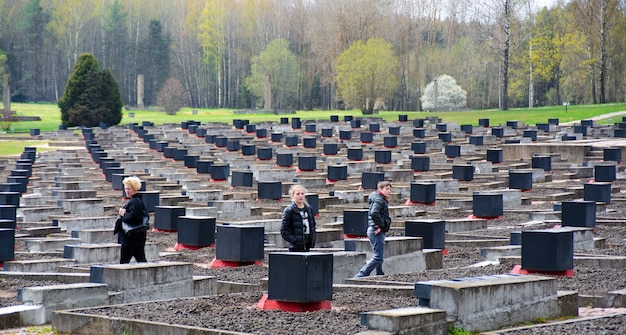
[{"x": 410, "y": 320}]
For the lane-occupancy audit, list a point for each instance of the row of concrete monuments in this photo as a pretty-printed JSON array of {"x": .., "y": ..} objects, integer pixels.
[{"x": 211, "y": 184}]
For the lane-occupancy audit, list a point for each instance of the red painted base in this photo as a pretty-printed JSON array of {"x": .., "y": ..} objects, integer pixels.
[
  {"x": 353, "y": 236},
  {"x": 484, "y": 217},
  {"x": 217, "y": 263},
  {"x": 180, "y": 246},
  {"x": 218, "y": 180},
  {"x": 157, "y": 230},
  {"x": 444, "y": 252},
  {"x": 299, "y": 170},
  {"x": 287, "y": 306},
  {"x": 519, "y": 271},
  {"x": 409, "y": 203}
]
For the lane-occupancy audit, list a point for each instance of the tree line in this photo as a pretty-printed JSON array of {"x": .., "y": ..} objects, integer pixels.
[{"x": 502, "y": 53}]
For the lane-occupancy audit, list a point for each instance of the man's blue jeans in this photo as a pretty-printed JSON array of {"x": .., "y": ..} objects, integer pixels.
[{"x": 377, "y": 241}]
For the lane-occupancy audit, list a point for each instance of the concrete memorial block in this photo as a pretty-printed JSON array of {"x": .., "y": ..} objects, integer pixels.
[
  {"x": 374, "y": 127},
  {"x": 309, "y": 142},
  {"x": 284, "y": 159},
  {"x": 367, "y": 137},
  {"x": 220, "y": 141},
  {"x": 7, "y": 244},
  {"x": 463, "y": 172},
  {"x": 580, "y": 129},
  {"x": 179, "y": 154},
  {"x": 521, "y": 180},
  {"x": 232, "y": 145},
  {"x": 495, "y": 155},
  {"x": 191, "y": 161},
  {"x": 497, "y": 132},
  {"x": 513, "y": 124},
  {"x": 441, "y": 127},
  {"x": 390, "y": 141},
  {"x": 566, "y": 137},
  {"x": 487, "y": 205},
  {"x": 515, "y": 238},
  {"x": 220, "y": 171},
  {"x": 239, "y": 243},
  {"x": 369, "y": 180},
  {"x": 419, "y": 132},
  {"x": 423, "y": 192},
  {"x": 403, "y": 118},
  {"x": 327, "y": 132},
  {"x": 269, "y": 190},
  {"x": 8, "y": 212},
  {"x": 11, "y": 187},
  {"x": 345, "y": 135},
  {"x": 347, "y": 118},
  {"x": 394, "y": 130},
  {"x": 382, "y": 156},
  {"x": 337, "y": 172},
  {"x": 334, "y": 118},
  {"x": 300, "y": 277},
  {"x": 531, "y": 133},
  {"x": 250, "y": 128},
  {"x": 355, "y": 222},
  {"x": 261, "y": 133},
  {"x": 168, "y": 152},
  {"x": 433, "y": 232},
  {"x": 554, "y": 121},
  {"x": 483, "y": 122},
  {"x": 150, "y": 199},
  {"x": 20, "y": 173},
  {"x": 196, "y": 231},
  {"x": 116, "y": 180},
  {"x": 445, "y": 137},
  {"x": 210, "y": 138},
  {"x": 467, "y": 128},
  {"x": 204, "y": 166},
  {"x": 307, "y": 163},
  {"x": 420, "y": 163},
  {"x": 110, "y": 171},
  {"x": 264, "y": 154},
  {"x": 355, "y": 123},
  {"x": 20, "y": 180},
  {"x": 310, "y": 128},
  {"x": 241, "y": 178},
  {"x": 330, "y": 149},
  {"x": 612, "y": 155},
  {"x": 291, "y": 141},
  {"x": 418, "y": 147},
  {"x": 541, "y": 162},
  {"x": 476, "y": 140},
  {"x": 145, "y": 281},
  {"x": 418, "y": 123},
  {"x": 486, "y": 303},
  {"x": 314, "y": 201},
  {"x": 549, "y": 250},
  {"x": 452, "y": 151},
  {"x": 166, "y": 217},
  {"x": 276, "y": 137},
  {"x": 597, "y": 192},
  {"x": 605, "y": 172},
  {"x": 296, "y": 123},
  {"x": 355, "y": 154},
  {"x": 578, "y": 214}
]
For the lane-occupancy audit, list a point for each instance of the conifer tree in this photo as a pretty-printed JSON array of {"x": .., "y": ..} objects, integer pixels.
[{"x": 90, "y": 96}]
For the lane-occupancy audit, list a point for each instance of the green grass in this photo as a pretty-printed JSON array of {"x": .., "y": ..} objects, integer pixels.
[{"x": 51, "y": 116}]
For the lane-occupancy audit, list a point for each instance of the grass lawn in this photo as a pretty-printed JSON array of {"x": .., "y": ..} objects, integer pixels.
[{"x": 51, "y": 117}]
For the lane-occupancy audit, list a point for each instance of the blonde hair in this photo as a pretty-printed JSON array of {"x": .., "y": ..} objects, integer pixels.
[
  {"x": 133, "y": 182},
  {"x": 292, "y": 191}
]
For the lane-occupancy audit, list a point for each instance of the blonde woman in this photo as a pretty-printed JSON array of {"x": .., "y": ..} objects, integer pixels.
[
  {"x": 298, "y": 225},
  {"x": 132, "y": 212}
]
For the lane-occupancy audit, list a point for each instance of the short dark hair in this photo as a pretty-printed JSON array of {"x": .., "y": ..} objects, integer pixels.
[{"x": 383, "y": 183}]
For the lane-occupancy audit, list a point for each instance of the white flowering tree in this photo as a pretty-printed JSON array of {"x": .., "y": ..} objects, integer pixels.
[{"x": 443, "y": 93}]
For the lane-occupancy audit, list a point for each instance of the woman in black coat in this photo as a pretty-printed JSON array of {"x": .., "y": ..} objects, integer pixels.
[
  {"x": 133, "y": 244},
  {"x": 298, "y": 225}
]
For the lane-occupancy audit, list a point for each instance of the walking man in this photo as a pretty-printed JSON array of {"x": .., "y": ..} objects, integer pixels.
[{"x": 379, "y": 223}]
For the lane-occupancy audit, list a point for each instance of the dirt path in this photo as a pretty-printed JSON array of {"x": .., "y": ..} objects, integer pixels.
[{"x": 595, "y": 118}]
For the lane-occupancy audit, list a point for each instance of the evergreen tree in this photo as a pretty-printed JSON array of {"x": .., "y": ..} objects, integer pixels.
[
  {"x": 90, "y": 96},
  {"x": 112, "y": 98},
  {"x": 155, "y": 61}
]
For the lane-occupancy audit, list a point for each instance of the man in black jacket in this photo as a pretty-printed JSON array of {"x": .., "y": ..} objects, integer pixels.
[{"x": 379, "y": 223}]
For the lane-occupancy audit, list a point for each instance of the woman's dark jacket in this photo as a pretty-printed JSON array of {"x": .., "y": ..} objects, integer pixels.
[
  {"x": 292, "y": 228},
  {"x": 378, "y": 214},
  {"x": 135, "y": 211}
]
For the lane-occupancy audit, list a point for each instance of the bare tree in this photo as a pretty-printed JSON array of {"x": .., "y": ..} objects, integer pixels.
[{"x": 172, "y": 96}]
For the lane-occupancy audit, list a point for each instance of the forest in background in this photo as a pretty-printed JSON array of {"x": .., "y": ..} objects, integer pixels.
[{"x": 501, "y": 52}]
